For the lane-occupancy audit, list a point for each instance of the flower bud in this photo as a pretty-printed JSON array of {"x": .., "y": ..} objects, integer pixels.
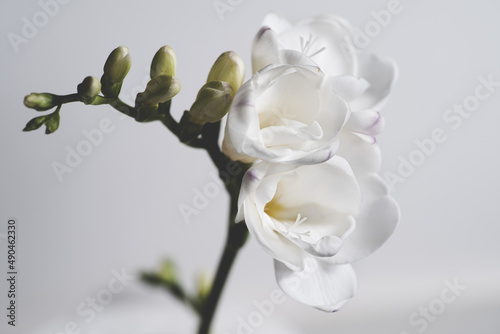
[
  {"x": 212, "y": 102},
  {"x": 205, "y": 283},
  {"x": 164, "y": 62},
  {"x": 40, "y": 101},
  {"x": 52, "y": 122},
  {"x": 158, "y": 90},
  {"x": 118, "y": 64},
  {"x": 229, "y": 67},
  {"x": 89, "y": 89},
  {"x": 35, "y": 123},
  {"x": 110, "y": 89},
  {"x": 168, "y": 272}
]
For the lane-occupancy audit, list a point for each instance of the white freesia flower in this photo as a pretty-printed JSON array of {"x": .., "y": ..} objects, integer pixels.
[
  {"x": 289, "y": 114},
  {"x": 328, "y": 42},
  {"x": 315, "y": 220}
]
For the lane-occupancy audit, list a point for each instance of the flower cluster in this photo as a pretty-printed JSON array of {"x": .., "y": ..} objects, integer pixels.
[{"x": 307, "y": 121}]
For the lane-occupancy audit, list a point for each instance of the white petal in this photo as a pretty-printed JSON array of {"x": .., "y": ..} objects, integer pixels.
[
  {"x": 321, "y": 285},
  {"x": 331, "y": 184},
  {"x": 362, "y": 152},
  {"x": 378, "y": 218},
  {"x": 381, "y": 73},
  {"x": 242, "y": 122},
  {"x": 265, "y": 49},
  {"x": 349, "y": 87},
  {"x": 368, "y": 122}
]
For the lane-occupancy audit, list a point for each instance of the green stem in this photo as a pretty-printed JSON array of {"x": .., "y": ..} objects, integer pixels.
[
  {"x": 237, "y": 233},
  {"x": 236, "y": 238}
]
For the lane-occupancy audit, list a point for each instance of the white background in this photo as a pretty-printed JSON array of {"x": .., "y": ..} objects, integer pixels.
[{"x": 119, "y": 207}]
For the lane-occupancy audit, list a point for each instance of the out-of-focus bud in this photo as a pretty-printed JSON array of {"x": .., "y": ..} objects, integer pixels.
[
  {"x": 118, "y": 64},
  {"x": 158, "y": 90},
  {"x": 168, "y": 272},
  {"x": 205, "y": 282},
  {"x": 229, "y": 67},
  {"x": 89, "y": 89},
  {"x": 40, "y": 101},
  {"x": 212, "y": 102},
  {"x": 164, "y": 62}
]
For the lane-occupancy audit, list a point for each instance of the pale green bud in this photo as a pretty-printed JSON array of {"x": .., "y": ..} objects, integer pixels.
[
  {"x": 118, "y": 64},
  {"x": 158, "y": 90},
  {"x": 205, "y": 283},
  {"x": 40, "y": 101},
  {"x": 164, "y": 62},
  {"x": 168, "y": 272},
  {"x": 229, "y": 67},
  {"x": 89, "y": 89},
  {"x": 212, "y": 102}
]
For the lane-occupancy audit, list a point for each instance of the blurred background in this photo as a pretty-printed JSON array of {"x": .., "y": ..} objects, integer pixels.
[{"x": 116, "y": 213}]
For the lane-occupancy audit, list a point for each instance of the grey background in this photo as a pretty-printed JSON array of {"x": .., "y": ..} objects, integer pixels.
[{"x": 120, "y": 207}]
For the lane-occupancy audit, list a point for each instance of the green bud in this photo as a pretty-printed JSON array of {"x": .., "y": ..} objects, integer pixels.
[
  {"x": 35, "y": 123},
  {"x": 40, "y": 101},
  {"x": 164, "y": 62},
  {"x": 205, "y": 283},
  {"x": 229, "y": 67},
  {"x": 158, "y": 90},
  {"x": 118, "y": 64},
  {"x": 89, "y": 89},
  {"x": 212, "y": 102},
  {"x": 168, "y": 272},
  {"x": 52, "y": 122},
  {"x": 110, "y": 89}
]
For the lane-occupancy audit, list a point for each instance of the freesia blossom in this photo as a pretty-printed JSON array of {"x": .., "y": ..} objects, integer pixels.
[
  {"x": 289, "y": 114},
  {"x": 327, "y": 41},
  {"x": 315, "y": 220}
]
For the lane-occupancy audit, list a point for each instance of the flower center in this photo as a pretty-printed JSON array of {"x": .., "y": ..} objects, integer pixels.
[
  {"x": 306, "y": 46},
  {"x": 287, "y": 226}
]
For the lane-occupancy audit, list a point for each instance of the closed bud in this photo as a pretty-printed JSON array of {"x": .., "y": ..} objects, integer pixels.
[
  {"x": 110, "y": 89},
  {"x": 35, "y": 123},
  {"x": 89, "y": 89},
  {"x": 158, "y": 90},
  {"x": 212, "y": 102},
  {"x": 229, "y": 67},
  {"x": 164, "y": 62},
  {"x": 52, "y": 122},
  {"x": 168, "y": 272},
  {"x": 40, "y": 101},
  {"x": 118, "y": 64},
  {"x": 205, "y": 283}
]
